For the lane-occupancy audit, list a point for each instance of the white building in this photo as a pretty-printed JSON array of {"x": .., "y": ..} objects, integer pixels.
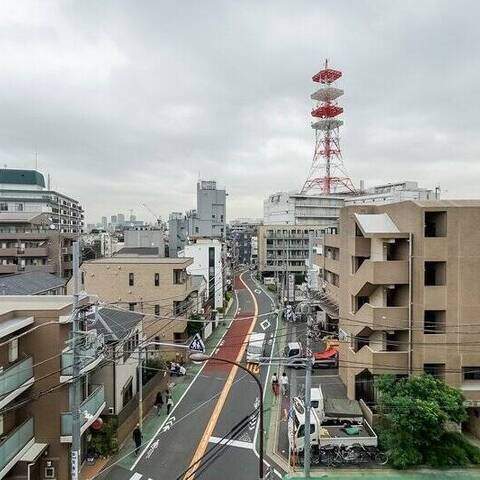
[
  {"x": 392, "y": 193},
  {"x": 289, "y": 208},
  {"x": 207, "y": 261}
]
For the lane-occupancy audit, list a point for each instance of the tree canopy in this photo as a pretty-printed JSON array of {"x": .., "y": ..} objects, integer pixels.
[{"x": 418, "y": 414}]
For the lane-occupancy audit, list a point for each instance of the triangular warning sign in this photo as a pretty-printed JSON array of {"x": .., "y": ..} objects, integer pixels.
[{"x": 196, "y": 345}]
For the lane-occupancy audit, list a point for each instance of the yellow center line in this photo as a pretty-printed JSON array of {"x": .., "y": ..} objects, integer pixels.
[{"x": 212, "y": 423}]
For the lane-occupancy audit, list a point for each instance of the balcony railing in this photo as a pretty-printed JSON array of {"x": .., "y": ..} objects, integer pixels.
[
  {"x": 15, "y": 376},
  {"x": 90, "y": 409},
  {"x": 90, "y": 357},
  {"x": 15, "y": 442}
]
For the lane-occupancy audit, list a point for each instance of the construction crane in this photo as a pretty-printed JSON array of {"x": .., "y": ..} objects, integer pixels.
[{"x": 158, "y": 218}]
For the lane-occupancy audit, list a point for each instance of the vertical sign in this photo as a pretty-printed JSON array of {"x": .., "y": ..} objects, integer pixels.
[
  {"x": 74, "y": 465},
  {"x": 291, "y": 287}
]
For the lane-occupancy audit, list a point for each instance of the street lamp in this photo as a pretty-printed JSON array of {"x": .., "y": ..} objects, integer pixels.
[{"x": 201, "y": 357}]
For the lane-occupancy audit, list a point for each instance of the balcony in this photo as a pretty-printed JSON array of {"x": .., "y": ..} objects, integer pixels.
[
  {"x": 362, "y": 247},
  {"x": 90, "y": 357},
  {"x": 33, "y": 252},
  {"x": 332, "y": 265},
  {"x": 372, "y": 273},
  {"x": 10, "y": 268},
  {"x": 8, "y": 252},
  {"x": 14, "y": 445},
  {"x": 15, "y": 380},
  {"x": 332, "y": 240},
  {"x": 383, "y": 318},
  {"x": 90, "y": 410},
  {"x": 37, "y": 268},
  {"x": 471, "y": 392},
  {"x": 382, "y": 362},
  {"x": 435, "y": 297}
]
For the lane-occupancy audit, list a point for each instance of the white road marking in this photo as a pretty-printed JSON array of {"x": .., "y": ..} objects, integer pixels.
[
  {"x": 174, "y": 407},
  {"x": 257, "y": 290},
  {"x": 136, "y": 476},
  {"x": 232, "y": 443},
  {"x": 265, "y": 324},
  {"x": 167, "y": 426}
]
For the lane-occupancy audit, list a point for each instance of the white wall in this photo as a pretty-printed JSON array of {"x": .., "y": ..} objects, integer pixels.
[{"x": 199, "y": 253}]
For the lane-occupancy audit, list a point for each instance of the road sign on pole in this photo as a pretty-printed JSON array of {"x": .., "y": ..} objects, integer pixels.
[{"x": 197, "y": 345}]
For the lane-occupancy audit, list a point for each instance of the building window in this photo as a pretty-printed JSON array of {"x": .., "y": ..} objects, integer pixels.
[
  {"x": 437, "y": 370},
  {"x": 157, "y": 310},
  {"x": 127, "y": 393},
  {"x": 13, "y": 350},
  {"x": 178, "y": 276},
  {"x": 156, "y": 279},
  {"x": 434, "y": 321},
  {"x": 3, "y": 206},
  {"x": 157, "y": 340},
  {"x": 131, "y": 279},
  {"x": 435, "y": 224},
  {"x": 435, "y": 273},
  {"x": 471, "y": 373},
  {"x": 131, "y": 306}
]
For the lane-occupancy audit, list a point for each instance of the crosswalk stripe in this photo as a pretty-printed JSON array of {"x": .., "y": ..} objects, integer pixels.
[{"x": 136, "y": 476}]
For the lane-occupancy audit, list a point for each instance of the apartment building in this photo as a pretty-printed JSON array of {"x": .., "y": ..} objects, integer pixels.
[
  {"x": 239, "y": 236},
  {"x": 31, "y": 242},
  {"x": 283, "y": 249},
  {"x": 149, "y": 285},
  {"x": 208, "y": 220},
  {"x": 25, "y": 191},
  {"x": 405, "y": 278},
  {"x": 36, "y": 361}
]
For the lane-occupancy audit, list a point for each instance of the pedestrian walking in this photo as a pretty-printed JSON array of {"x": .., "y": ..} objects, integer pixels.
[
  {"x": 137, "y": 438},
  {"x": 275, "y": 385},
  {"x": 169, "y": 403},
  {"x": 284, "y": 383},
  {"x": 159, "y": 402}
]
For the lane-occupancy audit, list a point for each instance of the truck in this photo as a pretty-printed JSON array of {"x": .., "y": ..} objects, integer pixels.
[
  {"x": 328, "y": 431},
  {"x": 296, "y": 357},
  {"x": 335, "y": 411},
  {"x": 255, "y": 348}
]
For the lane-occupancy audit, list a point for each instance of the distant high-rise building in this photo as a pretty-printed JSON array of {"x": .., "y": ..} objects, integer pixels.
[
  {"x": 121, "y": 218},
  {"x": 113, "y": 219},
  {"x": 104, "y": 222},
  {"x": 133, "y": 218}
]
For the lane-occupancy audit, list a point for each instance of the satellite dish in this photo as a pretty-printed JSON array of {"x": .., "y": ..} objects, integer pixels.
[{"x": 52, "y": 227}]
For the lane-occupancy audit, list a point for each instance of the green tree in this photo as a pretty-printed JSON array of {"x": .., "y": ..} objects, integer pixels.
[{"x": 416, "y": 415}]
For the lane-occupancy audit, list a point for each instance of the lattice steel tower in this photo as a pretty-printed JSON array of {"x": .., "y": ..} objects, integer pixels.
[{"x": 326, "y": 172}]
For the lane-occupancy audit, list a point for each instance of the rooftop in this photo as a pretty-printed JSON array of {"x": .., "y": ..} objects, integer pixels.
[
  {"x": 448, "y": 203},
  {"x": 29, "y": 283},
  {"x": 152, "y": 251},
  {"x": 21, "y": 177},
  {"x": 12, "y": 303},
  {"x": 141, "y": 260},
  {"x": 115, "y": 324}
]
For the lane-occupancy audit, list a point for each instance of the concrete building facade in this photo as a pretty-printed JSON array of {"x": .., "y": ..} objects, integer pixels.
[
  {"x": 149, "y": 237},
  {"x": 36, "y": 426},
  {"x": 25, "y": 191},
  {"x": 283, "y": 249},
  {"x": 405, "y": 278},
  {"x": 289, "y": 208},
  {"x": 29, "y": 243},
  {"x": 160, "y": 288}
]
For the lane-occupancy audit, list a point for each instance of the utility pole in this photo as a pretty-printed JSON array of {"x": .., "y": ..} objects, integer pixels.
[
  {"x": 308, "y": 376},
  {"x": 140, "y": 384},
  {"x": 76, "y": 426}
]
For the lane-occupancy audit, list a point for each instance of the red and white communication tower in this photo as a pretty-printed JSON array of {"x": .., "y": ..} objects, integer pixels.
[{"x": 326, "y": 173}]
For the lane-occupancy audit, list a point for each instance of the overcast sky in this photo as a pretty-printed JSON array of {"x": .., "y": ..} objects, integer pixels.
[{"x": 129, "y": 102}]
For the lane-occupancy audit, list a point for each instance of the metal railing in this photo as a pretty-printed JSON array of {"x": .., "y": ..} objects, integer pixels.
[
  {"x": 88, "y": 354},
  {"x": 15, "y": 376},
  {"x": 15, "y": 441},
  {"x": 88, "y": 407}
]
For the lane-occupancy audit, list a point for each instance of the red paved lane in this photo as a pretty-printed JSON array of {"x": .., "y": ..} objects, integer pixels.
[{"x": 232, "y": 342}]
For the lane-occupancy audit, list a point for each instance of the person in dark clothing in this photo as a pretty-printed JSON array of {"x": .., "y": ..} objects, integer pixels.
[
  {"x": 169, "y": 402},
  {"x": 137, "y": 438},
  {"x": 159, "y": 402}
]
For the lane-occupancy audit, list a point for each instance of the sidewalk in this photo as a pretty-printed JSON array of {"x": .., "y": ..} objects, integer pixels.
[{"x": 152, "y": 422}]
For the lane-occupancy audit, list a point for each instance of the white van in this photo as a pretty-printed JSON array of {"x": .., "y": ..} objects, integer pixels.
[
  {"x": 255, "y": 347},
  {"x": 316, "y": 401}
]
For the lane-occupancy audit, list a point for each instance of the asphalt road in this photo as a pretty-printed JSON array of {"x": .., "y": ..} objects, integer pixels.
[{"x": 215, "y": 402}]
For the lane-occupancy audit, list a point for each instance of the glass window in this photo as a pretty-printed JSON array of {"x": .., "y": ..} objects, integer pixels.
[
  {"x": 471, "y": 373},
  {"x": 157, "y": 309},
  {"x": 157, "y": 279},
  {"x": 131, "y": 279}
]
